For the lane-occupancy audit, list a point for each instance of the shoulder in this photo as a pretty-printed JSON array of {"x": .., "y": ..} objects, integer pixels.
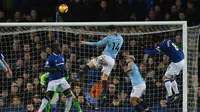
[
  {"x": 51, "y": 56},
  {"x": 62, "y": 55},
  {"x": 131, "y": 63}
]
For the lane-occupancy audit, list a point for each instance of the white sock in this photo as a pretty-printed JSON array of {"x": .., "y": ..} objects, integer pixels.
[
  {"x": 175, "y": 86},
  {"x": 43, "y": 105},
  {"x": 168, "y": 86},
  {"x": 68, "y": 104}
]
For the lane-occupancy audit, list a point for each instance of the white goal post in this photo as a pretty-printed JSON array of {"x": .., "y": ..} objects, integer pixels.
[{"x": 184, "y": 34}]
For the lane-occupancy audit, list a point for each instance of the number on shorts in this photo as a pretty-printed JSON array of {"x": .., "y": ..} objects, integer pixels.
[{"x": 115, "y": 46}]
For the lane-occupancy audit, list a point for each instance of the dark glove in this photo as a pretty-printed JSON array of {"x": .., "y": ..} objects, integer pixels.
[{"x": 120, "y": 56}]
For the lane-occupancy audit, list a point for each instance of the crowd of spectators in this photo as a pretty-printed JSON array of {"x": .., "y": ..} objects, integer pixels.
[
  {"x": 102, "y": 10},
  {"x": 26, "y": 53}
]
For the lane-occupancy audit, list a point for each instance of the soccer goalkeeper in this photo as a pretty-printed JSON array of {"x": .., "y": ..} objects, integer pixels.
[{"x": 43, "y": 80}]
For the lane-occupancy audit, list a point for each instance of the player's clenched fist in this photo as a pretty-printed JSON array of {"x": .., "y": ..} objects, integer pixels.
[{"x": 82, "y": 42}]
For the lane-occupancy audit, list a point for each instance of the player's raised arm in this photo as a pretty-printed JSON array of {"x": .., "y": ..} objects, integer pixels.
[
  {"x": 159, "y": 48},
  {"x": 99, "y": 43},
  {"x": 5, "y": 66}
]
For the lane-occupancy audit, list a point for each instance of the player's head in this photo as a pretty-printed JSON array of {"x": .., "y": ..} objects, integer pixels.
[
  {"x": 56, "y": 48},
  {"x": 130, "y": 58},
  {"x": 157, "y": 39},
  {"x": 112, "y": 29}
]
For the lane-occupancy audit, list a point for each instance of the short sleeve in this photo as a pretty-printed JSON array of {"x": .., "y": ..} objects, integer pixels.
[{"x": 48, "y": 62}]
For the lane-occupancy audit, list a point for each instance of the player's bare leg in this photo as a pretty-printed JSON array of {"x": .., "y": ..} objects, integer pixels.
[
  {"x": 134, "y": 102},
  {"x": 88, "y": 67}
]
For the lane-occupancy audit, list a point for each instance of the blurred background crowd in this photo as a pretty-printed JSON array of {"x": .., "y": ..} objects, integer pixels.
[
  {"x": 101, "y": 10},
  {"x": 26, "y": 53}
]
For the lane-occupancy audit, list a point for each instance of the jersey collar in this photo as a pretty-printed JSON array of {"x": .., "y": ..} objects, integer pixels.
[{"x": 55, "y": 54}]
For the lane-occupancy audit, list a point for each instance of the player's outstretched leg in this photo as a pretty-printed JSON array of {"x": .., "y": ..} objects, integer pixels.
[
  {"x": 68, "y": 102},
  {"x": 134, "y": 102},
  {"x": 104, "y": 79},
  {"x": 175, "y": 89},
  {"x": 168, "y": 86},
  {"x": 143, "y": 104},
  {"x": 88, "y": 67},
  {"x": 46, "y": 100}
]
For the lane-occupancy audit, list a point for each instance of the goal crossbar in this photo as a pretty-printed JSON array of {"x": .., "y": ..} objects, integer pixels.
[{"x": 184, "y": 36}]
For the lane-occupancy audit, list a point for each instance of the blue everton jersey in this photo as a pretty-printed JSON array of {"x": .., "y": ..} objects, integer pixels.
[
  {"x": 171, "y": 50},
  {"x": 135, "y": 75},
  {"x": 112, "y": 42},
  {"x": 55, "y": 61}
]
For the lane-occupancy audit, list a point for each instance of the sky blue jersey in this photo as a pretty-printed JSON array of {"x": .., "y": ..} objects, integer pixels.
[
  {"x": 135, "y": 75},
  {"x": 170, "y": 49},
  {"x": 1, "y": 63},
  {"x": 55, "y": 61},
  {"x": 112, "y": 42}
]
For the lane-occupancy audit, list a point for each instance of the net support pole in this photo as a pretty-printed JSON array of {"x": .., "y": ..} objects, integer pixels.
[{"x": 185, "y": 74}]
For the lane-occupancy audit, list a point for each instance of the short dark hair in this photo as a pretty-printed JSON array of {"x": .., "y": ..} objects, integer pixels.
[
  {"x": 112, "y": 28},
  {"x": 55, "y": 46}
]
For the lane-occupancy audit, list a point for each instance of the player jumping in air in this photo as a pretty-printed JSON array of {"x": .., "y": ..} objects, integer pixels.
[
  {"x": 177, "y": 57},
  {"x": 55, "y": 67},
  {"x": 138, "y": 84},
  {"x": 113, "y": 43},
  {"x": 43, "y": 81},
  {"x": 5, "y": 66}
]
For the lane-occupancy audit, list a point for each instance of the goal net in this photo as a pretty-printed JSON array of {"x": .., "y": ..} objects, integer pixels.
[{"x": 26, "y": 46}]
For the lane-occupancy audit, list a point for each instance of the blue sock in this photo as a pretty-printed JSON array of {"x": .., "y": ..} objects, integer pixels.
[
  {"x": 104, "y": 85},
  {"x": 138, "y": 108},
  {"x": 143, "y": 104},
  {"x": 86, "y": 69}
]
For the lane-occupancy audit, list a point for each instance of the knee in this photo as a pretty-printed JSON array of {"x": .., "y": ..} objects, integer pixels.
[
  {"x": 49, "y": 95},
  {"x": 91, "y": 64},
  {"x": 165, "y": 78},
  {"x": 67, "y": 93},
  {"x": 104, "y": 77},
  {"x": 132, "y": 100}
]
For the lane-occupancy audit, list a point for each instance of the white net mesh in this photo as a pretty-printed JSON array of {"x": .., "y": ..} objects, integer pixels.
[{"x": 26, "y": 48}]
